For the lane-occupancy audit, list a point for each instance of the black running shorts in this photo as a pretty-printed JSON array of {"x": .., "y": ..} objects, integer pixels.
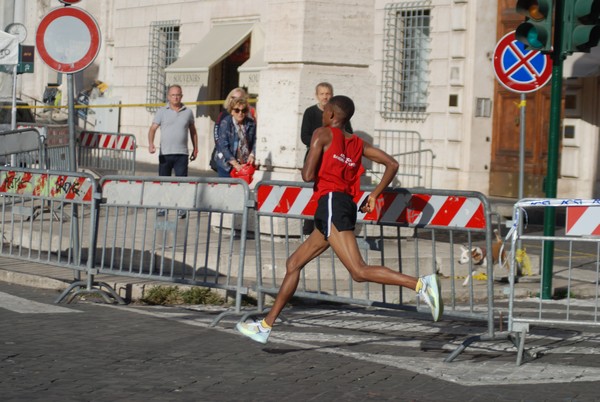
[{"x": 338, "y": 209}]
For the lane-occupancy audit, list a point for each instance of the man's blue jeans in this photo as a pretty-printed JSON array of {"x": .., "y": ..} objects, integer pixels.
[{"x": 169, "y": 163}]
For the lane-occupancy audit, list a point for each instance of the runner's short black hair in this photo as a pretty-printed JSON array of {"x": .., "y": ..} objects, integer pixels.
[{"x": 345, "y": 104}]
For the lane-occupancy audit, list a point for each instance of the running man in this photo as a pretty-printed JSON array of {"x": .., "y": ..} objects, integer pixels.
[{"x": 334, "y": 164}]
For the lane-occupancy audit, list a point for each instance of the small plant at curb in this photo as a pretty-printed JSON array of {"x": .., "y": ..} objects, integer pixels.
[
  {"x": 197, "y": 295},
  {"x": 162, "y": 295}
]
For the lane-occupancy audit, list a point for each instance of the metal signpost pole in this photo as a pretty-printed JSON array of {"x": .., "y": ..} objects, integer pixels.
[
  {"x": 13, "y": 112},
  {"x": 553, "y": 144},
  {"x": 72, "y": 130},
  {"x": 522, "y": 107},
  {"x": 73, "y": 163},
  {"x": 522, "y": 126}
]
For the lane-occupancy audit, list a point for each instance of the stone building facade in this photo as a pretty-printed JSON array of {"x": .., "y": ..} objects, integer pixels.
[{"x": 411, "y": 66}]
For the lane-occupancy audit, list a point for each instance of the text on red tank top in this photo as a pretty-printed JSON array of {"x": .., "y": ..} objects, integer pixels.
[{"x": 341, "y": 165}]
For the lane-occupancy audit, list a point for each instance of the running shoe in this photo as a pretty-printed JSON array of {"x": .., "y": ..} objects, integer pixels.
[
  {"x": 431, "y": 293},
  {"x": 254, "y": 331}
]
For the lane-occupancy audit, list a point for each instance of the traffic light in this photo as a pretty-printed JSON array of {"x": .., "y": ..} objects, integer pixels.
[
  {"x": 581, "y": 25},
  {"x": 536, "y": 32}
]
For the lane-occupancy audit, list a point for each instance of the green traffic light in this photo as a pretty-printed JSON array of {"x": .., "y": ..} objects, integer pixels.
[
  {"x": 532, "y": 38},
  {"x": 536, "y": 32},
  {"x": 532, "y": 35}
]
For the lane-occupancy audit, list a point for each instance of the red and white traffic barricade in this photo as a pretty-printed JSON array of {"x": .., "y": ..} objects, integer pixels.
[
  {"x": 95, "y": 139},
  {"x": 281, "y": 207},
  {"x": 402, "y": 208},
  {"x": 583, "y": 220},
  {"x": 107, "y": 153}
]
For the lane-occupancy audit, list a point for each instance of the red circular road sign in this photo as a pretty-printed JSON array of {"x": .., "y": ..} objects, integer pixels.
[
  {"x": 68, "y": 39},
  {"x": 69, "y": 2},
  {"x": 518, "y": 69}
]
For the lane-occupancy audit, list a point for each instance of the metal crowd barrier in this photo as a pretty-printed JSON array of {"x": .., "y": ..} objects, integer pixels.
[
  {"x": 103, "y": 153},
  {"x": 56, "y": 146},
  {"x": 414, "y": 232},
  {"x": 107, "y": 153},
  {"x": 415, "y": 168},
  {"x": 48, "y": 217},
  {"x": 21, "y": 148},
  {"x": 575, "y": 276},
  {"x": 45, "y": 216},
  {"x": 415, "y": 163},
  {"x": 55, "y": 138},
  {"x": 175, "y": 229}
]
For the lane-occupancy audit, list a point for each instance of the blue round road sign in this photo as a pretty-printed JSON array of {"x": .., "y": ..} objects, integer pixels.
[{"x": 520, "y": 70}]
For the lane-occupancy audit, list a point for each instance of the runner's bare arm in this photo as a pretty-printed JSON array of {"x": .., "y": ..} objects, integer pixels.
[
  {"x": 391, "y": 168},
  {"x": 318, "y": 144}
]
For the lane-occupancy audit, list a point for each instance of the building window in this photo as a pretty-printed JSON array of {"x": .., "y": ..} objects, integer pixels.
[
  {"x": 163, "y": 51},
  {"x": 405, "y": 60}
]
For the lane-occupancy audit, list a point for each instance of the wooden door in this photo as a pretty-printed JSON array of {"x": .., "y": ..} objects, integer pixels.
[{"x": 504, "y": 167}]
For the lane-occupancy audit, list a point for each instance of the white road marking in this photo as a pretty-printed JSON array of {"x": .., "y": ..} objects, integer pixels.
[{"x": 25, "y": 306}]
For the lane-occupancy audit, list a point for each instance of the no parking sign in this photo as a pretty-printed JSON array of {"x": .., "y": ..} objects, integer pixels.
[
  {"x": 68, "y": 39},
  {"x": 520, "y": 70}
]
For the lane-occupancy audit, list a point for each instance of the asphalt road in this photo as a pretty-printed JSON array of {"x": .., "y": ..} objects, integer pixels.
[{"x": 87, "y": 351}]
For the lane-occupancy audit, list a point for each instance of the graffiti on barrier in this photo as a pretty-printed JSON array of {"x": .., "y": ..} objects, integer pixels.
[{"x": 45, "y": 185}]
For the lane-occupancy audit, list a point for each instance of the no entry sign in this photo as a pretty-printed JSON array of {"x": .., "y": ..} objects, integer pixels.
[
  {"x": 68, "y": 39},
  {"x": 520, "y": 70}
]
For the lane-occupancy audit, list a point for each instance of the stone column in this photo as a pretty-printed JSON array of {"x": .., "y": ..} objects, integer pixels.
[{"x": 307, "y": 42}]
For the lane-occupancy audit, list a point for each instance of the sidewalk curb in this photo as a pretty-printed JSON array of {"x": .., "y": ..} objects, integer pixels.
[
  {"x": 128, "y": 288},
  {"x": 32, "y": 280}
]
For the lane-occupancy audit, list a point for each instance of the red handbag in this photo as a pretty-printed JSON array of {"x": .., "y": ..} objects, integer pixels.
[{"x": 246, "y": 173}]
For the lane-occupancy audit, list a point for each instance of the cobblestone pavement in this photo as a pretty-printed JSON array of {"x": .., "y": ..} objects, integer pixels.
[{"x": 87, "y": 351}]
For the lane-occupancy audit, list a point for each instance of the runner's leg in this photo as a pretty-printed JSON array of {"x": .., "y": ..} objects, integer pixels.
[
  {"x": 345, "y": 247},
  {"x": 312, "y": 247}
]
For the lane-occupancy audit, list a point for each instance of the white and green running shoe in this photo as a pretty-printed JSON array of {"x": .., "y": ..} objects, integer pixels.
[
  {"x": 254, "y": 331},
  {"x": 431, "y": 293}
]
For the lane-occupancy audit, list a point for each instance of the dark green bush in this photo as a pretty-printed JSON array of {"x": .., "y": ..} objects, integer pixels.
[
  {"x": 197, "y": 295},
  {"x": 161, "y": 295}
]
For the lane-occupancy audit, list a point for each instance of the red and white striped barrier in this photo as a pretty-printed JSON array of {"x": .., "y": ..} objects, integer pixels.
[
  {"x": 583, "y": 221},
  {"x": 397, "y": 208},
  {"x": 93, "y": 139}
]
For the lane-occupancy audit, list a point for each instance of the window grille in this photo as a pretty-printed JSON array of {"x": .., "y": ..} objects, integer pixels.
[
  {"x": 163, "y": 51},
  {"x": 405, "y": 60}
]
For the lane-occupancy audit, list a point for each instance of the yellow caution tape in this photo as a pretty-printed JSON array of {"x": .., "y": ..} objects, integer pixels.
[{"x": 80, "y": 106}]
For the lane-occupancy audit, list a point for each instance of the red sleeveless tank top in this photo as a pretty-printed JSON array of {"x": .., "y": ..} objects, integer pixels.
[{"x": 341, "y": 165}]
